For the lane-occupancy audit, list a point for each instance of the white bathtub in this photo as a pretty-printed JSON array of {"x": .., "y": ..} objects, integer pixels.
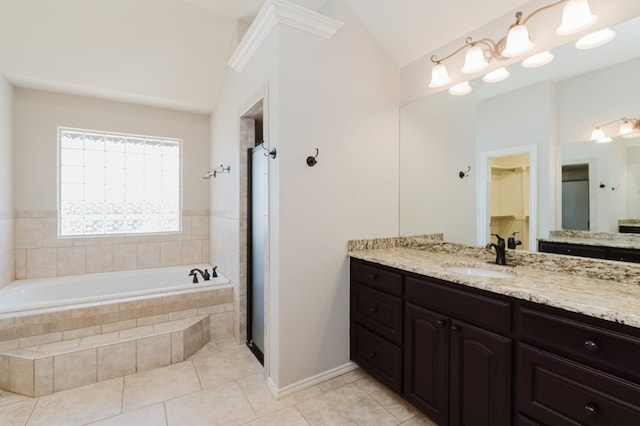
[{"x": 91, "y": 289}]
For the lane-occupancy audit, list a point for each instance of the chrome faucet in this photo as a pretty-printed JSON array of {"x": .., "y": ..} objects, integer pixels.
[
  {"x": 501, "y": 258},
  {"x": 204, "y": 274}
]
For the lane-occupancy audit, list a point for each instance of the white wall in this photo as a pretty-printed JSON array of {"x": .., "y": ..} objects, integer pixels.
[
  {"x": 438, "y": 135},
  {"x": 344, "y": 101},
  {"x": 7, "y": 262}
]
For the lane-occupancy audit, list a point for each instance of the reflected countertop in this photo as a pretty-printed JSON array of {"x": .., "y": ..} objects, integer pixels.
[
  {"x": 603, "y": 239},
  {"x": 551, "y": 280}
]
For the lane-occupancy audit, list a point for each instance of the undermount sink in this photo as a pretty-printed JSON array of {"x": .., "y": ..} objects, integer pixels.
[{"x": 478, "y": 272}]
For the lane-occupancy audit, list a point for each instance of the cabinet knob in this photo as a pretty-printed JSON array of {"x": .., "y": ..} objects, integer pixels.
[
  {"x": 373, "y": 309},
  {"x": 455, "y": 327},
  {"x": 591, "y": 410},
  {"x": 591, "y": 346},
  {"x": 372, "y": 355},
  {"x": 373, "y": 276},
  {"x": 442, "y": 322}
]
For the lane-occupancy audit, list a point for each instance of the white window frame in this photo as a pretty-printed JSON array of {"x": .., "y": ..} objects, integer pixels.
[{"x": 125, "y": 215}]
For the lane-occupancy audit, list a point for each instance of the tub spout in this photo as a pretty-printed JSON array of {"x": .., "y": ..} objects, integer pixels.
[{"x": 205, "y": 275}]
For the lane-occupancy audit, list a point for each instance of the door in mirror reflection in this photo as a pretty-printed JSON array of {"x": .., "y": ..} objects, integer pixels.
[
  {"x": 575, "y": 197},
  {"x": 510, "y": 197}
]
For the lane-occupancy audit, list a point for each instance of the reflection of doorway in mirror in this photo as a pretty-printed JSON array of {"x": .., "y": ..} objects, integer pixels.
[
  {"x": 510, "y": 197},
  {"x": 575, "y": 197}
]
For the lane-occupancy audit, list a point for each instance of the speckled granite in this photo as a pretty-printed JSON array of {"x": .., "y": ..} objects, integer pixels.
[
  {"x": 598, "y": 288},
  {"x": 629, "y": 222},
  {"x": 606, "y": 239},
  {"x": 380, "y": 243}
]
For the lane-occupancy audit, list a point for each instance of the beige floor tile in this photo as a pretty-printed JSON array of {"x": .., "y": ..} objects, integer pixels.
[
  {"x": 228, "y": 344},
  {"x": 226, "y": 366},
  {"x": 390, "y": 400},
  {"x": 160, "y": 384},
  {"x": 263, "y": 401},
  {"x": 7, "y": 398},
  {"x": 17, "y": 413},
  {"x": 148, "y": 416},
  {"x": 222, "y": 405},
  {"x": 206, "y": 350},
  {"x": 346, "y": 405},
  {"x": 79, "y": 406},
  {"x": 342, "y": 380},
  {"x": 288, "y": 417},
  {"x": 419, "y": 420}
]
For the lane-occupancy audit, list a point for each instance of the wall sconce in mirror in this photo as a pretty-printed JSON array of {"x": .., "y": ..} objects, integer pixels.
[
  {"x": 576, "y": 17},
  {"x": 629, "y": 128},
  {"x": 312, "y": 159},
  {"x": 213, "y": 173},
  {"x": 464, "y": 174}
]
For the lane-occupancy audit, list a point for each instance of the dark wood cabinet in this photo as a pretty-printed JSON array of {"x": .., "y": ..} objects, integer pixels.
[
  {"x": 465, "y": 356},
  {"x": 592, "y": 251}
]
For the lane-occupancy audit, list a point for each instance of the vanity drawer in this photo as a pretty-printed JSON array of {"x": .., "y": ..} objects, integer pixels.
[
  {"x": 378, "y": 278},
  {"x": 483, "y": 311},
  {"x": 573, "y": 250},
  {"x": 378, "y": 311},
  {"x": 624, "y": 255},
  {"x": 381, "y": 359},
  {"x": 556, "y": 391},
  {"x": 604, "y": 348}
]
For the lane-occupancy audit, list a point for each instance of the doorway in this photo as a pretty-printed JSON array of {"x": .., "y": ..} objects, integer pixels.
[
  {"x": 575, "y": 197},
  {"x": 507, "y": 195}
]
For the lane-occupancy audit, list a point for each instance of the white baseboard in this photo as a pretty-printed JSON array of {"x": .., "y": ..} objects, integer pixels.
[{"x": 311, "y": 381}]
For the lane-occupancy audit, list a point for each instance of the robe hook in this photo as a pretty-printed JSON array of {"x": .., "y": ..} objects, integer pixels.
[{"x": 311, "y": 160}]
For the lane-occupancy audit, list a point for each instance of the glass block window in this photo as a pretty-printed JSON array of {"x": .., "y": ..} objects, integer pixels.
[{"x": 112, "y": 183}]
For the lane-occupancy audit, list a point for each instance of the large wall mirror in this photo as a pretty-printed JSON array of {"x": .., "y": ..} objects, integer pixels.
[{"x": 554, "y": 110}]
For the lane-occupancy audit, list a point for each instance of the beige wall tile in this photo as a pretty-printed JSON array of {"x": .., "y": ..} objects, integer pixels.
[
  {"x": 125, "y": 257},
  {"x": 99, "y": 258},
  {"x": 81, "y": 332},
  {"x": 28, "y": 232},
  {"x": 153, "y": 352},
  {"x": 191, "y": 252},
  {"x": 71, "y": 261},
  {"x": 4, "y": 372},
  {"x": 170, "y": 253},
  {"x": 41, "y": 339},
  {"x": 188, "y": 313},
  {"x": 200, "y": 227},
  {"x": 116, "y": 360},
  {"x": 21, "y": 263},
  {"x": 7, "y": 329},
  {"x": 177, "y": 347},
  {"x": 194, "y": 338},
  {"x": 153, "y": 319},
  {"x": 148, "y": 255},
  {"x": 119, "y": 325},
  {"x": 43, "y": 376},
  {"x": 42, "y": 262},
  {"x": 21, "y": 376},
  {"x": 74, "y": 369}
]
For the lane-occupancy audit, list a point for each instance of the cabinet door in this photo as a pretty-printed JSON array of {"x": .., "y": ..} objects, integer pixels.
[
  {"x": 480, "y": 377},
  {"x": 426, "y": 361}
]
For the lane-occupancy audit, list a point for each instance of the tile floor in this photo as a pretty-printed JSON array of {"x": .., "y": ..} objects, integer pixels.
[{"x": 222, "y": 384}]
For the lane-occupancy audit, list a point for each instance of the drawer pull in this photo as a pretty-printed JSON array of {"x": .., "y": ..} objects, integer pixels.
[
  {"x": 591, "y": 346},
  {"x": 373, "y": 309},
  {"x": 591, "y": 410},
  {"x": 455, "y": 327},
  {"x": 373, "y": 276},
  {"x": 442, "y": 322},
  {"x": 372, "y": 355}
]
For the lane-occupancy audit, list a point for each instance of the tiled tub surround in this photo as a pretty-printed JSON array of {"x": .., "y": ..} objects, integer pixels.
[
  {"x": 40, "y": 253},
  {"x": 598, "y": 288},
  {"x": 47, "y": 351},
  {"x": 7, "y": 253},
  {"x": 618, "y": 240}
]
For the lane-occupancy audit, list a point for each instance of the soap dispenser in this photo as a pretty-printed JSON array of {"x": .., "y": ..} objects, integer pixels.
[{"x": 512, "y": 243}]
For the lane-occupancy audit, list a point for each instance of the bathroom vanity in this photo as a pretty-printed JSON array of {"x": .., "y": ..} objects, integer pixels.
[
  {"x": 598, "y": 245},
  {"x": 469, "y": 348}
]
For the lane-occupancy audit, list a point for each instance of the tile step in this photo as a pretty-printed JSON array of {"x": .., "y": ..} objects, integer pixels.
[{"x": 52, "y": 367}]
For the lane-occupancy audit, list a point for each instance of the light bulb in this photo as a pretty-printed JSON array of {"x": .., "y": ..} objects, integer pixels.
[
  {"x": 576, "y": 16},
  {"x": 518, "y": 42},
  {"x": 496, "y": 75},
  {"x": 439, "y": 76}
]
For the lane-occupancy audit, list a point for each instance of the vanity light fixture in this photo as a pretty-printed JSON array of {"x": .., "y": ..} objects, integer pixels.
[
  {"x": 576, "y": 17},
  {"x": 497, "y": 75},
  {"x": 460, "y": 89},
  {"x": 629, "y": 128},
  {"x": 596, "y": 39}
]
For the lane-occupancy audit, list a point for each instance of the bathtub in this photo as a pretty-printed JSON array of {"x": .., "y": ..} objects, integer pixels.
[{"x": 88, "y": 290}]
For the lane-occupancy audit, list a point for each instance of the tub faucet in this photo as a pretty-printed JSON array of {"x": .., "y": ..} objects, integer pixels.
[
  {"x": 204, "y": 274},
  {"x": 501, "y": 258}
]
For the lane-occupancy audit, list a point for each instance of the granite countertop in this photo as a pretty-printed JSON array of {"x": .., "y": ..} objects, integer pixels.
[
  {"x": 616, "y": 240},
  {"x": 613, "y": 300}
]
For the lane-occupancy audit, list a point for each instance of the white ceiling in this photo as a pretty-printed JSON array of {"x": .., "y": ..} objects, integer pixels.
[{"x": 174, "y": 53}]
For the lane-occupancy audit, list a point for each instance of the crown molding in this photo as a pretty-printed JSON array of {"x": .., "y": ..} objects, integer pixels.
[{"x": 281, "y": 12}]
